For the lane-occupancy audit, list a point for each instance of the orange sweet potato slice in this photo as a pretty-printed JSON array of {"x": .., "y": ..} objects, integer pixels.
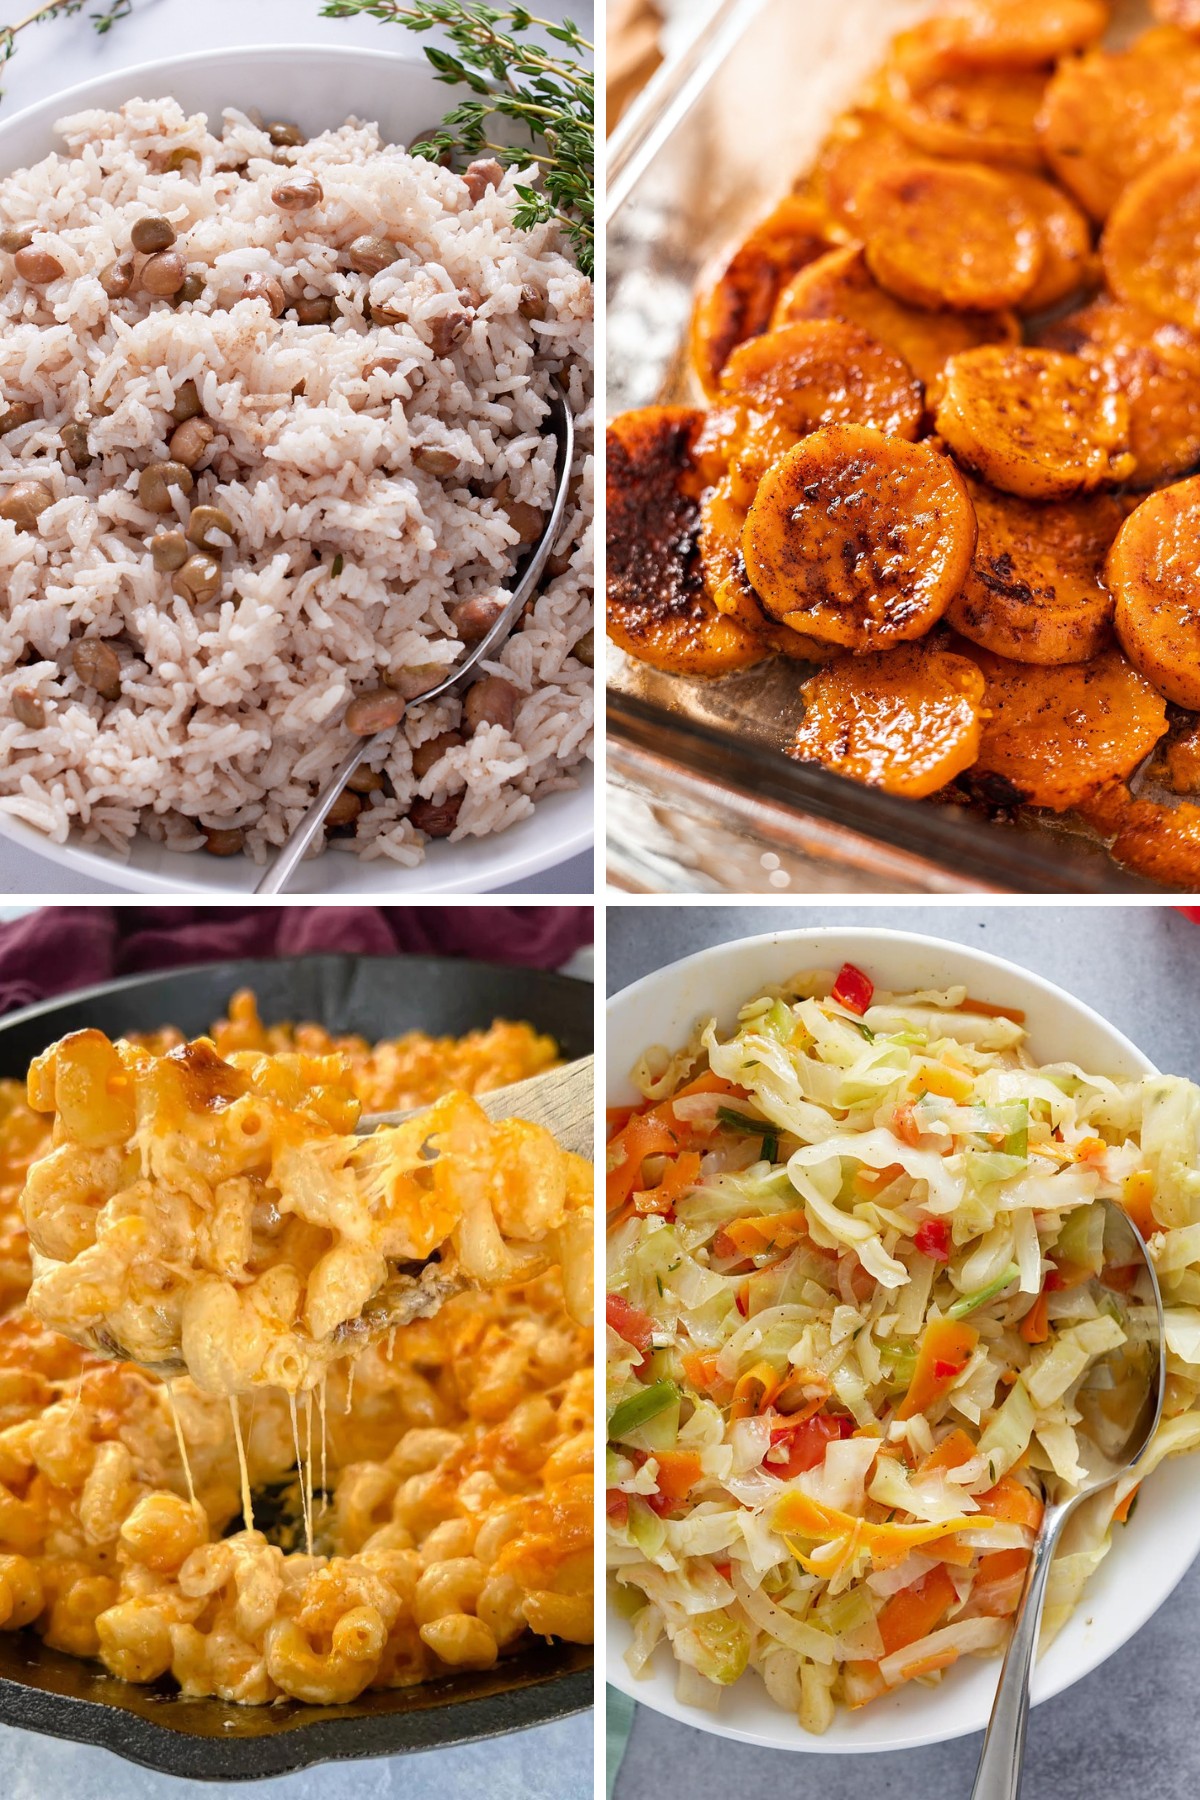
[
  {"x": 1160, "y": 842},
  {"x": 951, "y": 235},
  {"x": 1151, "y": 570},
  {"x": 1156, "y": 365},
  {"x": 1009, "y": 34},
  {"x": 858, "y": 539},
  {"x": 1151, "y": 244},
  {"x": 1182, "y": 761},
  {"x": 1035, "y": 592},
  {"x": 905, "y": 719},
  {"x": 861, "y": 146},
  {"x": 722, "y": 521},
  {"x": 1184, "y": 13},
  {"x": 1111, "y": 114},
  {"x": 1058, "y": 734},
  {"x": 1068, "y": 261},
  {"x": 841, "y": 286},
  {"x": 1036, "y": 423},
  {"x": 658, "y": 610},
  {"x": 740, "y": 296},
  {"x": 986, "y": 115}
]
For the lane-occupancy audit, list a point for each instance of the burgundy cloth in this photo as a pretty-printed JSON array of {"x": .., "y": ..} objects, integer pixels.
[{"x": 64, "y": 947}]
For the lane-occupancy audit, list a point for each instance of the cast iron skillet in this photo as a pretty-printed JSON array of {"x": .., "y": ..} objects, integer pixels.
[{"x": 209, "y": 1740}]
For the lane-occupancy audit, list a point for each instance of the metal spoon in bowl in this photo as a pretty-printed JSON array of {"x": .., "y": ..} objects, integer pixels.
[
  {"x": 278, "y": 871},
  {"x": 1121, "y": 1400}
]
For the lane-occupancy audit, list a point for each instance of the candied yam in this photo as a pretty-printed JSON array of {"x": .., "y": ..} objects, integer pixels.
[
  {"x": 859, "y": 539},
  {"x": 738, "y": 302},
  {"x": 1035, "y": 592},
  {"x": 1156, "y": 365},
  {"x": 1160, "y": 842},
  {"x": 1183, "y": 13},
  {"x": 905, "y": 719},
  {"x": 1068, "y": 260},
  {"x": 1012, "y": 34},
  {"x": 1151, "y": 570},
  {"x": 987, "y": 115},
  {"x": 1111, "y": 114},
  {"x": 1035, "y": 422},
  {"x": 860, "y": 147},
  {"x": 658, "y": 610},
  {"x": 722, "y": 521},
  {"x": 950, "y": 235},
  {"x": 1182, "y": 761},
  {"x": 841, "y": 286},
  {"x": 1058, "y": 734},
  {"x": 1151, "y": 244}
]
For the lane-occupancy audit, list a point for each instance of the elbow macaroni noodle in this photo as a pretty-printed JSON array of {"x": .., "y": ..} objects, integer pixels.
[{"x": 443, "y": 1471}]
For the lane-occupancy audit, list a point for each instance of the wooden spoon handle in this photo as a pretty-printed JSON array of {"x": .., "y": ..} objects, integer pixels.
[{"x": 563, "y": 1100}]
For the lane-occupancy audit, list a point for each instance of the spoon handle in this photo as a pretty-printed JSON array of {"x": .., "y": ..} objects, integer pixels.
[
  {"x": 279, "y": 870},
  {"x": 999, "y": 1774}
]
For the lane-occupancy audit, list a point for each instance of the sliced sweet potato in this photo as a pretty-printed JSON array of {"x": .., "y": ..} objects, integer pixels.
[
  {"x": 1035, "y": 592},
  {"x": 1058, "y": 734},
  {"x": 1035, "y": 422},
  {"x": 1160, "y": 842},
  {"x": 861, "y": 146},
  {"x": 1111, "y": 114},
  {"x": 740, "y": 295},
  {"x": 841, "y": 286},
  {"x": 722, "y": 521},
  {"x": 987, "y": 115},
  {"x": 1068, "y": 261},
  {"x": 859, "y": 539},
  {"x": 1184, "y": 13},
  {"x": 1151, "y": 570},
  {"x": 658, "y": 610},
  {"x": 1182, "y": 761},
  {"x": 1010, "y": 34},
  {"x": 905, "y": 719},
  {"x": 1151, "y": 244},
  {"x": 1156, "y": 365},
  {"x": 951, "y": 235}
]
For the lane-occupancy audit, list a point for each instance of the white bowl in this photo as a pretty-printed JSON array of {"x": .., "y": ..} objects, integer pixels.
[
  {"x": 318, "y": 86},
  {"x": 1151, "y": 1553}
]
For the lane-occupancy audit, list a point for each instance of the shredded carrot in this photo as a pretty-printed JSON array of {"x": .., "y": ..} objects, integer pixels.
[
  {"x": 1035, "y": 1326},
  {"x": 846, "y": 1535},
  {"x": 970, "y": 1004},
  {"x": 871, "y": 1180},
  {"x": 754, "y": 1391},
  {"x": 1138, "y": 1200},
  {"x": 1011, "y": 1502},
  {"x": 700, "y": 1368},
  {"x": 1121, "y": 1515},
  {"x": 784, "y": 1230},
  {"x": 905, "y": 1125},
  {"x": 949, "y": 1550},
  {"x": 928, "y": 1665},
  {"x": 644, "y": 1135},
  {"x": 946, "y": 1083},
  {"x": 916, "y": 1611},
  {"x": 944, "y": 1352},
  {"x": 617, "y": 1117},
  {"x": 1090, "y": 1149},
  {"x": 951, "y": 1453},
  {"x": 678, "y": 1472},
  {"x": 680, "y": 1174}
]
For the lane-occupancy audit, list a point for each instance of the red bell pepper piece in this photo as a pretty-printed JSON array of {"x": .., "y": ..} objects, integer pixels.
[
  {"x": 629, "y": 1322},
  {"x": 853, "y": 989},
  {"x": 932, "y": 1238},
  {"x": 807, "y": 1443},
  {"x": 616, "y": 1505}
]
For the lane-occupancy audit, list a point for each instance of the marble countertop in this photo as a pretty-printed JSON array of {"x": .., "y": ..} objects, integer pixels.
[
  {"x": 1128, "y": 1729},
  {"x": 63, "y": 52}
]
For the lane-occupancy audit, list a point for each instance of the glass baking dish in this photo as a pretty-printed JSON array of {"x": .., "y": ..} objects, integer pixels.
[{"x": 699, "y": 797}]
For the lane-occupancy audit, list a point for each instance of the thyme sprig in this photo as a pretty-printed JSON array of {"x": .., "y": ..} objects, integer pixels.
[
  {"x": 102, "y": 22},
  {"x": 496, "y": 53}
]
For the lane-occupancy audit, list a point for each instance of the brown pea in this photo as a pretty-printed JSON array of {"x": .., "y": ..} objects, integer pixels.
[
  {"x": 27, "y": 708},
  {"x": 474, "y": 618},
  {"x": 117, "y": 280},
  {"x": 190, "y": 292},
  {"x": 314, "y": 312},
  {"x": 98, "y": 666},
  {"x": 223, "y": 843},
  {"x": 380, "y": 709},
  {"x": 418, "y": 680},
  {"x": 284, "y": 134},
  {"x": 198, "y": 580},
  {"x": 380, "y": 365},
  {"x": 181, "y": 156},
  {"x": 447, "y": 330},
  {"x": 16, "y": 237},
  {"x": 265, "y": 287},
  {"x": 299, "y": 192},
  {"x": 532, "y": 304},
  {"x": 584, "y": 650},
  {"x": 187, "y": 403},
  {"x": 152, "y": 233},
  {"x": 169, "y": 551},
  {"x": 368, "y": 255},
  {"x": 492, "y": 701},
  {"x": 432, "y": 751},
  {"x": 384, "y": 313},
  {"x": 482, "y": 175},
  {"x": 164, "y": 274},
  {"x": 24, "y": 504},
  {"x": 37, "y": 267},
  {"x": 190, "y": 441},
  {"x": 19, "y": 413},
  {"x": 525, "y": 520},
  {"x": 74, "y": 440},
  {"x": 366, "y": 780},
  {"x": 436, "y": 819},
  {"x": 344, "y": 810},
  {"x": 203, "y": 522},
  {"x": 156, "y": 481},
  {"x": 434, "y": 461}
]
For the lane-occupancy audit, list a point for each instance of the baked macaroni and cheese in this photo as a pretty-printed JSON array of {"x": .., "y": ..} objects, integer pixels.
[{"x": 418, "y": 1501}]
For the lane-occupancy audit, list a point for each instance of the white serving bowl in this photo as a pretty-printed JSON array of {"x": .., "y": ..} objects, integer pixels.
[
  {"x": 319, "y": 86},
  {"x": 1151, "y": 1553}
]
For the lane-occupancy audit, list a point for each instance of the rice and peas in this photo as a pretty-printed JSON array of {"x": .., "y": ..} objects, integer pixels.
[{"x": 271, "y": 446}]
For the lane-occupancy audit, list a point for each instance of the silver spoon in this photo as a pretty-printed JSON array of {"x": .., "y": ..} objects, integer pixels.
[
  {"x": 279, "y": 870},
  {"x": 1120, "y": 1401}
]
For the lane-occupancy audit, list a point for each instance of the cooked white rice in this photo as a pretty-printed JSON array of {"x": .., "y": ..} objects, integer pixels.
[{"x": 230, "y": 713}]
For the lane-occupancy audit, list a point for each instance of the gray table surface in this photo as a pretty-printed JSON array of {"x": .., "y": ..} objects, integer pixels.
[{"x": 1127, "y": 1731}]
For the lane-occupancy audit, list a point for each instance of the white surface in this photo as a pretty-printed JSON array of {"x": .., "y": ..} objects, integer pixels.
[
  {"x": 1153, "y": 1551},
  {"x": 59, "y": 55}
]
